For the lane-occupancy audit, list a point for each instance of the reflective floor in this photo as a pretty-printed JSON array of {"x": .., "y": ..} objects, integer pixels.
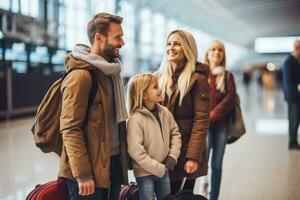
[{"x": 258, "y": 166}]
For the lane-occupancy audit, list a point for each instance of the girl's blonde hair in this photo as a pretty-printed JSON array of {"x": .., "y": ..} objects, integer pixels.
[
  {"x": 220, "y": 80},
  {"x": 137, "y": 86},
  {"x": 189, "y": 46}
]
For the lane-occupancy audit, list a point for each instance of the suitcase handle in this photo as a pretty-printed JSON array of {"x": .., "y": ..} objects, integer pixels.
[{"x": 182, "y": 183}]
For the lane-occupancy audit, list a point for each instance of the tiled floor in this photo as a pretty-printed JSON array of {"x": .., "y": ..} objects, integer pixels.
[{"x": 259, "y": 166}]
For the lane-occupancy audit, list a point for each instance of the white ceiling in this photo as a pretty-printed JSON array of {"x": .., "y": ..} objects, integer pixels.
[{"x": 237, "y": 21}]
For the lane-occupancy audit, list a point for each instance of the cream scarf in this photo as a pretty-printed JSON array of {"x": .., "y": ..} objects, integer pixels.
[
  {"x": 113, "y": 70},
  {"x": 220, "y": 81}
]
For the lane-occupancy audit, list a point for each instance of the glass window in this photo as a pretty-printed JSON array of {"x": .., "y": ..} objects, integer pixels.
[
  {"x": 69, "y": 3},
  {"x": 19, "y": 51},
  {"x": 127, "y": 11},
  {"x": 58, "y": 57},
  {"x": 30, "y": 7},
  {"x": 146, "y": 33},
  {"x": 74, "y": 30},
  {"x": 15, "y": 6},
  {"x": 80, "y": 4},
  {"x": 103, "y": 6},
  {"x": 4, "y": 4},
  {"x": 19, "y": 67},
  {"x": 70, "y": 15},
  {"x": 159, "y": 34},
  {"x": 40, "y": 55},
  {"x": 172, "y": 25}
]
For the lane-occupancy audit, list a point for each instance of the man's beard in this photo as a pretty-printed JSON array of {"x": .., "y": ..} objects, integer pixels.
[{"x": 109, "y": 52}]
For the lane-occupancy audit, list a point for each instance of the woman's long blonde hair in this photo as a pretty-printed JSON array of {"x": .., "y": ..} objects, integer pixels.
[
  {"x": 220, "y": 80},
  {"x": 189, "y": 46},
  {"x": 137, "y": 86}
]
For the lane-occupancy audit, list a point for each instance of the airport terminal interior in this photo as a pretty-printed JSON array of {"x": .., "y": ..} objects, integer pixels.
[{"x": 35, "y": 36}]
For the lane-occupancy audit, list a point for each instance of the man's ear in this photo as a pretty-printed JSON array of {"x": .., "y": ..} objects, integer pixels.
[{"x": 98, "y": 37}]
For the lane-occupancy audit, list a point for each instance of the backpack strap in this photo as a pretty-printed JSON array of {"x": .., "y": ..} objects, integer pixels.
[
  {"x": 92, "y": 95},
  {"x": 227, "y": 78}
]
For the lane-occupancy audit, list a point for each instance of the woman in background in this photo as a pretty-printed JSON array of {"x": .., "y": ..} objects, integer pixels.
[{"x": 222, "y": 98}]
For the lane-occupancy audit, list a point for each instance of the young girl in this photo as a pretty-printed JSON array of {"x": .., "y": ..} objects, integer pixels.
[{"x": 153, "y": 138}]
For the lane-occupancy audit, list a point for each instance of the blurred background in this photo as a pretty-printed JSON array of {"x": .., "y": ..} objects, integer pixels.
[{"x": 258, "y": 35}]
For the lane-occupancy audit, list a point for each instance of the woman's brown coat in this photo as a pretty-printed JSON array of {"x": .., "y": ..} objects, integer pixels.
[{"x": 192, "y": 118}]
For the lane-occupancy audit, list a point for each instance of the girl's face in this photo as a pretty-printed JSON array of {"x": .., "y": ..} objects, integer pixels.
[
  {"x": 153, "y": 94},
  {"x": 174, "y": 49},
  {"x": 216, "y": 54}
]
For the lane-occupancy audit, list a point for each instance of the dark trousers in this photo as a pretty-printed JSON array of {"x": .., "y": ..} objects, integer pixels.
[
  {"x": 175, "y": 186},
  {"x": 294, "y": 120},
  {"x": 74, "y": 192},
  {"x": 101, "y": 193}
]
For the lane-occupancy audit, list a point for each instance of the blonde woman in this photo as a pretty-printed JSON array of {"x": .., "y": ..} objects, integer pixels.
[
  {"x": 222, "y": 96},
  {"x": 153, "y": 137},
  {"x": 186, "y": 94}
]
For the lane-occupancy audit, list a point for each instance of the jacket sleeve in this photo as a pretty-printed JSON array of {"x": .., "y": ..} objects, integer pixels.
[
  {"x": 137, "y": 151},
  {"x": 225, "y": 107},
  {"x": 175, "y": 137},
  {"x": 197, "y": 140},
  {"x": 75, "y": 93}
]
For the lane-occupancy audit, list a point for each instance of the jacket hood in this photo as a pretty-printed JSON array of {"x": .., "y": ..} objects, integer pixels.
[
  {"x": 202, "y": 68},
  {"x": 145, "y": 111},
  {"x": 73, "y": 63}
]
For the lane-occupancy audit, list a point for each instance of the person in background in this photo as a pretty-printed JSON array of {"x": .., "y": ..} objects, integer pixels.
[
  {"x": 291, "y": 86},
  {"x": 222, "y": 96},
  {"x": 153, "y": 137},
  {"x": 94, "y": 158},
  {"x": 186, "y": 94},
  {"x": 247, "y": 76}
]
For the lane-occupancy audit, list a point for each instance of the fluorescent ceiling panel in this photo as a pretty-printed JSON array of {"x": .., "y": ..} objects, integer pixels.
[{"x": 274, "y": 44}]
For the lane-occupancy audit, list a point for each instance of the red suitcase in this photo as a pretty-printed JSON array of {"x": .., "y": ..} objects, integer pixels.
[
  {"x": 129, "y": 192},
  {"x": 53, "y": 190}
]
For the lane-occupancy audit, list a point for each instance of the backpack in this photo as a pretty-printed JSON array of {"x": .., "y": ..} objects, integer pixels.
[{"x": 46, "y": 127}]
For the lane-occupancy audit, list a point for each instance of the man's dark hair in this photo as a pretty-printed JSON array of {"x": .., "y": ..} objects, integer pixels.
[{"x": 100, "y": 24}]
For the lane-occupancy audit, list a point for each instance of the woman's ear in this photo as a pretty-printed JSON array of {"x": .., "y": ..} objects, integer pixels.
[{"x": 144, "y": 96}]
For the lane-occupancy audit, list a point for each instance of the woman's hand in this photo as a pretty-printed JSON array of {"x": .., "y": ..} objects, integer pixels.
[{"x": 190, "y": 166}]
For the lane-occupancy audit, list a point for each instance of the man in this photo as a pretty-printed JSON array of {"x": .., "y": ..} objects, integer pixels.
[
  {"x": 291, "y": 84},
  {"x": 94, "y": 158}
]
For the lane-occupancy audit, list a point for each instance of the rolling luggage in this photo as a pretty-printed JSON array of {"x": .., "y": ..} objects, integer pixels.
[
  {"x": 53, "y": 190},
  {"x": 129, "y": 192},
  {"x": 184, "y": 194}
]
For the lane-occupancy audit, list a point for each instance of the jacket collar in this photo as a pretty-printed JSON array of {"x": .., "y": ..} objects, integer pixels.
[
  {"x": 145, "y": 111},
  {"x": 200, "y": 69}
]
